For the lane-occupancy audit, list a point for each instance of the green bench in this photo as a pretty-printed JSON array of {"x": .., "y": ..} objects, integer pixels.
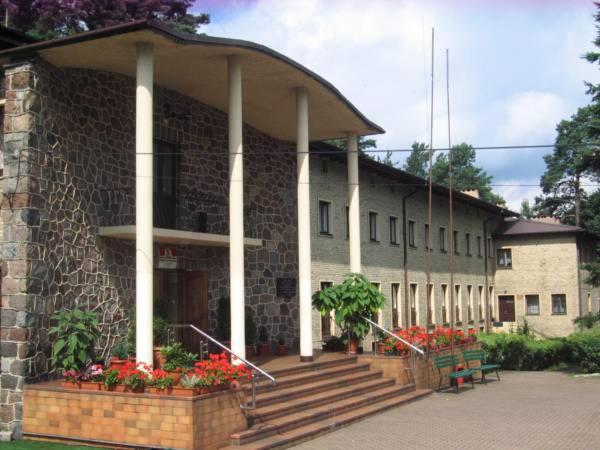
[
  {"x": 449, "y": 361},
  {"x": 478, "y": 355}
]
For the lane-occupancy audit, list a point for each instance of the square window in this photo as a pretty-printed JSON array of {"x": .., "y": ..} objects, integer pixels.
[
  {"x": 504, "y": 258},
  {"x": 373, "y": 226},
  {"x": 532, "y": 305},
  {"x": 411, "y": 233},
  {"x": 324, "y": 225},
  {"x": 393, "y": 230},
  {"x": 559, "y": 304}
]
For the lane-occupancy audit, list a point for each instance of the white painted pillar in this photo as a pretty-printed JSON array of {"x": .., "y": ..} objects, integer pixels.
[
  {"x": 304, "y": 261},
  {"x": 353, "y": 204},
  {"x": 144, "y": 256},
  {"x": 236, "y": 207}
]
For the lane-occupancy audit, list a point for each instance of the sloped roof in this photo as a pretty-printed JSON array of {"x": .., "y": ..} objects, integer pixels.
[{"x": 524, "y": 227}]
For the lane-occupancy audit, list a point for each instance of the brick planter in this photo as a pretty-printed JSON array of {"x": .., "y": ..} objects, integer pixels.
[
  {"x": 425, "y": 374},
  {"x": 142, "y": 420}
]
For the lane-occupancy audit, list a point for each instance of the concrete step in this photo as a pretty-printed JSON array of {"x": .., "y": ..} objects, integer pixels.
[
  {"x": 300, "y": 378},
  {"x": 283, "y": 394},
  {"x": 287, "y": 438},
  {"x": 289, "y": 406},
  {"x": 308, "y": 416},
  {"x": 309, "y": 367}
]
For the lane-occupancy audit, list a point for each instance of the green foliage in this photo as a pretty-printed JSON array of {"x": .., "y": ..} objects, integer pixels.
[
  {"x": 334, "y": 344},
  {"x": 121, "y": 350},
  {"x": 351, "y": 300},
  {"x": 590, "y": 320},
  {"x": 76, "y": 334},
  {"x": 110, "y": 377},
  {"x": 418, "y": 160},
  {"x": 585, "y": 346},
  {"x": 250, "y": 327},
  {"x": 224, "y": 318},
  {"x": 516, "y": 351},
  {"x": 176, "y": 357},
  {"x": 593, "y": 269},
  {"x": 364, "y": 144},
  {"x": 526, "y": 209}
]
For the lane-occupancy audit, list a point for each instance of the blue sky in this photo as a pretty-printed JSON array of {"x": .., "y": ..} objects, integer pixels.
[{"x": 515, "y": 67}]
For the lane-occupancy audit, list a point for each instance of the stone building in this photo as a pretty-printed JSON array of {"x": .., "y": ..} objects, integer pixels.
[{"x": 539, "y": 276}]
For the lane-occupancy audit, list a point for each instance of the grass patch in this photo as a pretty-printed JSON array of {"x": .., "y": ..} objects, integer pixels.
[{"x": 37, "y": 445}]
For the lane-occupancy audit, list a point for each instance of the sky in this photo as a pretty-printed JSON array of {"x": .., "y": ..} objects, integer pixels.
[{"x": 515, "y": 68}]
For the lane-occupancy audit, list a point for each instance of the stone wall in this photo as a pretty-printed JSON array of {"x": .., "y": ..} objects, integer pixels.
[{"x": 69, "y": 168}]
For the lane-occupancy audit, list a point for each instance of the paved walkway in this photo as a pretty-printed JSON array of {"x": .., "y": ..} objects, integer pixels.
[{"x": 525, "y": 410}]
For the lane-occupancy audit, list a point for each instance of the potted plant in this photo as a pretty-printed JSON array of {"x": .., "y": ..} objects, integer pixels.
[
  {"x": 282, "y": 349},
  {"x": 189, "y": 386},
  {"x": 132, "y": 377},
  {"x": 76, "y": 332},
  {"x": 264, "y": 348},
  {"x": 250, "y": 330},
  {"x": 177, "y": 359},
  {"x": 381, "y": 342},
  {"x": 92, "y": 378},
  {"x": 334, "y": 344},
  {"x": 119, "y": 355},
  {"x": 352, "y": 300},
  {"x": 71, "y": 379},
  {"x": 110, "y": 379},
  {"x": 217, "y": 372},
  {"x": 160, "y": 383}
]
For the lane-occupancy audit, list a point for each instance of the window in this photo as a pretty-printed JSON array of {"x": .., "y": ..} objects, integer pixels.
[
  {"x": 479, "y": 248},
  {"x": 413, "y": 304},
  {"x": 411, "y": 233},
  {"x": 347, "y": 222},
  {"x": 468, "y": 244},
  {"x": 457, "y": 301},
  {"x": 445, "y": 318},
  {"x": 442, "y": 239},
  {"x": 455, "y": 242},
  {"x": 393, "y": 230},
  {"x": 324, "y": 225},
  {"x": 426, "y": 237},
  {"x": 480, "y": 303},
  {"x": 373, "y": 226},
  {"x": 395, "y": 292},
  {"x": 326, "y": 320},
  {"x": 430, "y": 303},
  {"x": 165, "y": 168},
  {"x": 504, "y": 258},
  {"x": 491, "y": 302},
  {"x": 532, "y": 305},
  {"x": 470, "y": 299},
  {"x": 489, "y": 244},
  {"x": 559, "y": 304}
]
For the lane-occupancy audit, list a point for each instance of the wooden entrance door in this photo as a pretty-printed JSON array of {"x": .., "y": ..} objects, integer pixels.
[
  {"x": 193, "y": 307},
  {"x": 506, "y": 308}
]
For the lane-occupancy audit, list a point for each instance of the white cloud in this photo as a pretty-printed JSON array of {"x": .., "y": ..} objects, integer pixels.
[{"x": 515, "y": 191}]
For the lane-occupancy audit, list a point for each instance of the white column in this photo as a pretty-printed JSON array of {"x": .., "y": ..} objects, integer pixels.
[
  {"x": 353, "y": 204},
  {"x": 304, "y": 261},
  {"x": 144, "y": 266},
  {"x": 236, "y": 207}
]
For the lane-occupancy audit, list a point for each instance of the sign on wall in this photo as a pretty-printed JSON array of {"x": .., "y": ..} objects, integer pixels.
[
  {"x": 167, "y": 258},
  {"x": 286, "y": 287}
]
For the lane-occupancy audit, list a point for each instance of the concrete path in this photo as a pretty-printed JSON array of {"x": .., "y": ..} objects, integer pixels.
[{"x": 525, "y": 410}]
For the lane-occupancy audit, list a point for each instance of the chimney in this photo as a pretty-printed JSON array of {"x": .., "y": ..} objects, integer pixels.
[{"x": 472, "y": 193}]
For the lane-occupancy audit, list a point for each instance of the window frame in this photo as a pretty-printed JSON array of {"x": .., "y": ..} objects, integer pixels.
[
  {"x": 411, "y": 233},
  {"x": 527, "y": 298},
  {"x": 507, "y": 264},
  {"x": 564, "y": 298},
  {"x": 426, "y": 238},
  {"x": 479, "y": 247},
  {"x": 373, "y": 237},
  {"x": 394, "y": 238},
  {"x": 320, "y": 217},
  {"x": 442, "y": 239},
  {"x": 468, "y": 244},
  {"x": 455, "y": 235}
]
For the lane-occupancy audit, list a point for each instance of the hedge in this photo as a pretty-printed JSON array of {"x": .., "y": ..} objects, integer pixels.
[{"x": 521, "y": 352}]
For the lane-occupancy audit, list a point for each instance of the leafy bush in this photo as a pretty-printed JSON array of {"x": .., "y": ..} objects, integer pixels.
[
  {"x": 177, "y": 357},
  {"x": 76, "y": 335},
  {"x": 585, "y": 346},
  {"x": 590, "y": 320}
]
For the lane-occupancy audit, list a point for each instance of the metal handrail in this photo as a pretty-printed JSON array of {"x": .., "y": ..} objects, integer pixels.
[
  {"x": 232, "y": 353},
  {"x": 389, "y": 333}
]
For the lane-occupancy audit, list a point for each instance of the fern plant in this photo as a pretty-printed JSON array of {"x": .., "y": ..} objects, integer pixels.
[{"x": 76, "y": 334}]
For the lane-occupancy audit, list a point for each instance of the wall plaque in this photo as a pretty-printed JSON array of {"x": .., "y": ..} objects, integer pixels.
[{"x": 286, "y": 287}]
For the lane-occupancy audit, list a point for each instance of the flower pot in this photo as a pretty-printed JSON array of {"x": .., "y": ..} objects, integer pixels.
[
  {"x": 175, "y": 376},
  {"x": 158, "y": 360},
  {"x": 380, "y": 348},
  {"x": 282, "y": 350},
  {"x": 120, "y": 388},
  {"x": 353, "y": 346},
  {"x": 180, "y": 391},
  {"x": 116, "y": 363},
  {"x": 264, "y": 349},
  {"x": 70, "y": 384},
  {"x": 90, "y": 386},
  {"x": 110, "y": 388},
  {"x": 157, "y": 391}
]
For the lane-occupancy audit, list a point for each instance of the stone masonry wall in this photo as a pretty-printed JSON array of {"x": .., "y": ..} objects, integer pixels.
[{"x": 69, "y": 168}]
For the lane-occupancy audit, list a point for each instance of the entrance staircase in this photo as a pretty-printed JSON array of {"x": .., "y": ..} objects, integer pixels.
[{"x": 313, "y": 398}]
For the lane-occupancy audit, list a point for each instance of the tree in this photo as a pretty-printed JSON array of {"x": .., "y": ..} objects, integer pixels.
[
  {"x": 526, "y": 209},
  {"x": 46, "y": 19},
  {"x": 417, "y": 162},
  {"x": 364, "y": 145}
]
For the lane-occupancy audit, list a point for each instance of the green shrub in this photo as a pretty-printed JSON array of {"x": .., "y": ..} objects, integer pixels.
[
  {"x": 585, "y": 346},
  {"x": 590, "y": 320},
  {"x": 76, "y": 333}
]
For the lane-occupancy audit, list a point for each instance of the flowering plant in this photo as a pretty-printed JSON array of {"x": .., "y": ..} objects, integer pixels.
[
  {"x": 217, "y": 370},
  {"x": 192, "y": 380},
  {"x": 436, "y": 339},
  {"x": 72, "y": 375},
  {"x": 134, "y": 375},
  {"x": 110, "y": 377},
  {"x": 160, "y": 379},
  {"x": 93, "y": 373}
]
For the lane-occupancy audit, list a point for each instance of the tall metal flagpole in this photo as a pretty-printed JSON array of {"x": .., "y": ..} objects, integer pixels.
[
  {"x": 428, "y": 290},
  {"x": 451, "y": 210}
]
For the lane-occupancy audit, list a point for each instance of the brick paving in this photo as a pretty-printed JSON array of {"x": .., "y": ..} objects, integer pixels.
[{"x": 525, "y": 410}]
